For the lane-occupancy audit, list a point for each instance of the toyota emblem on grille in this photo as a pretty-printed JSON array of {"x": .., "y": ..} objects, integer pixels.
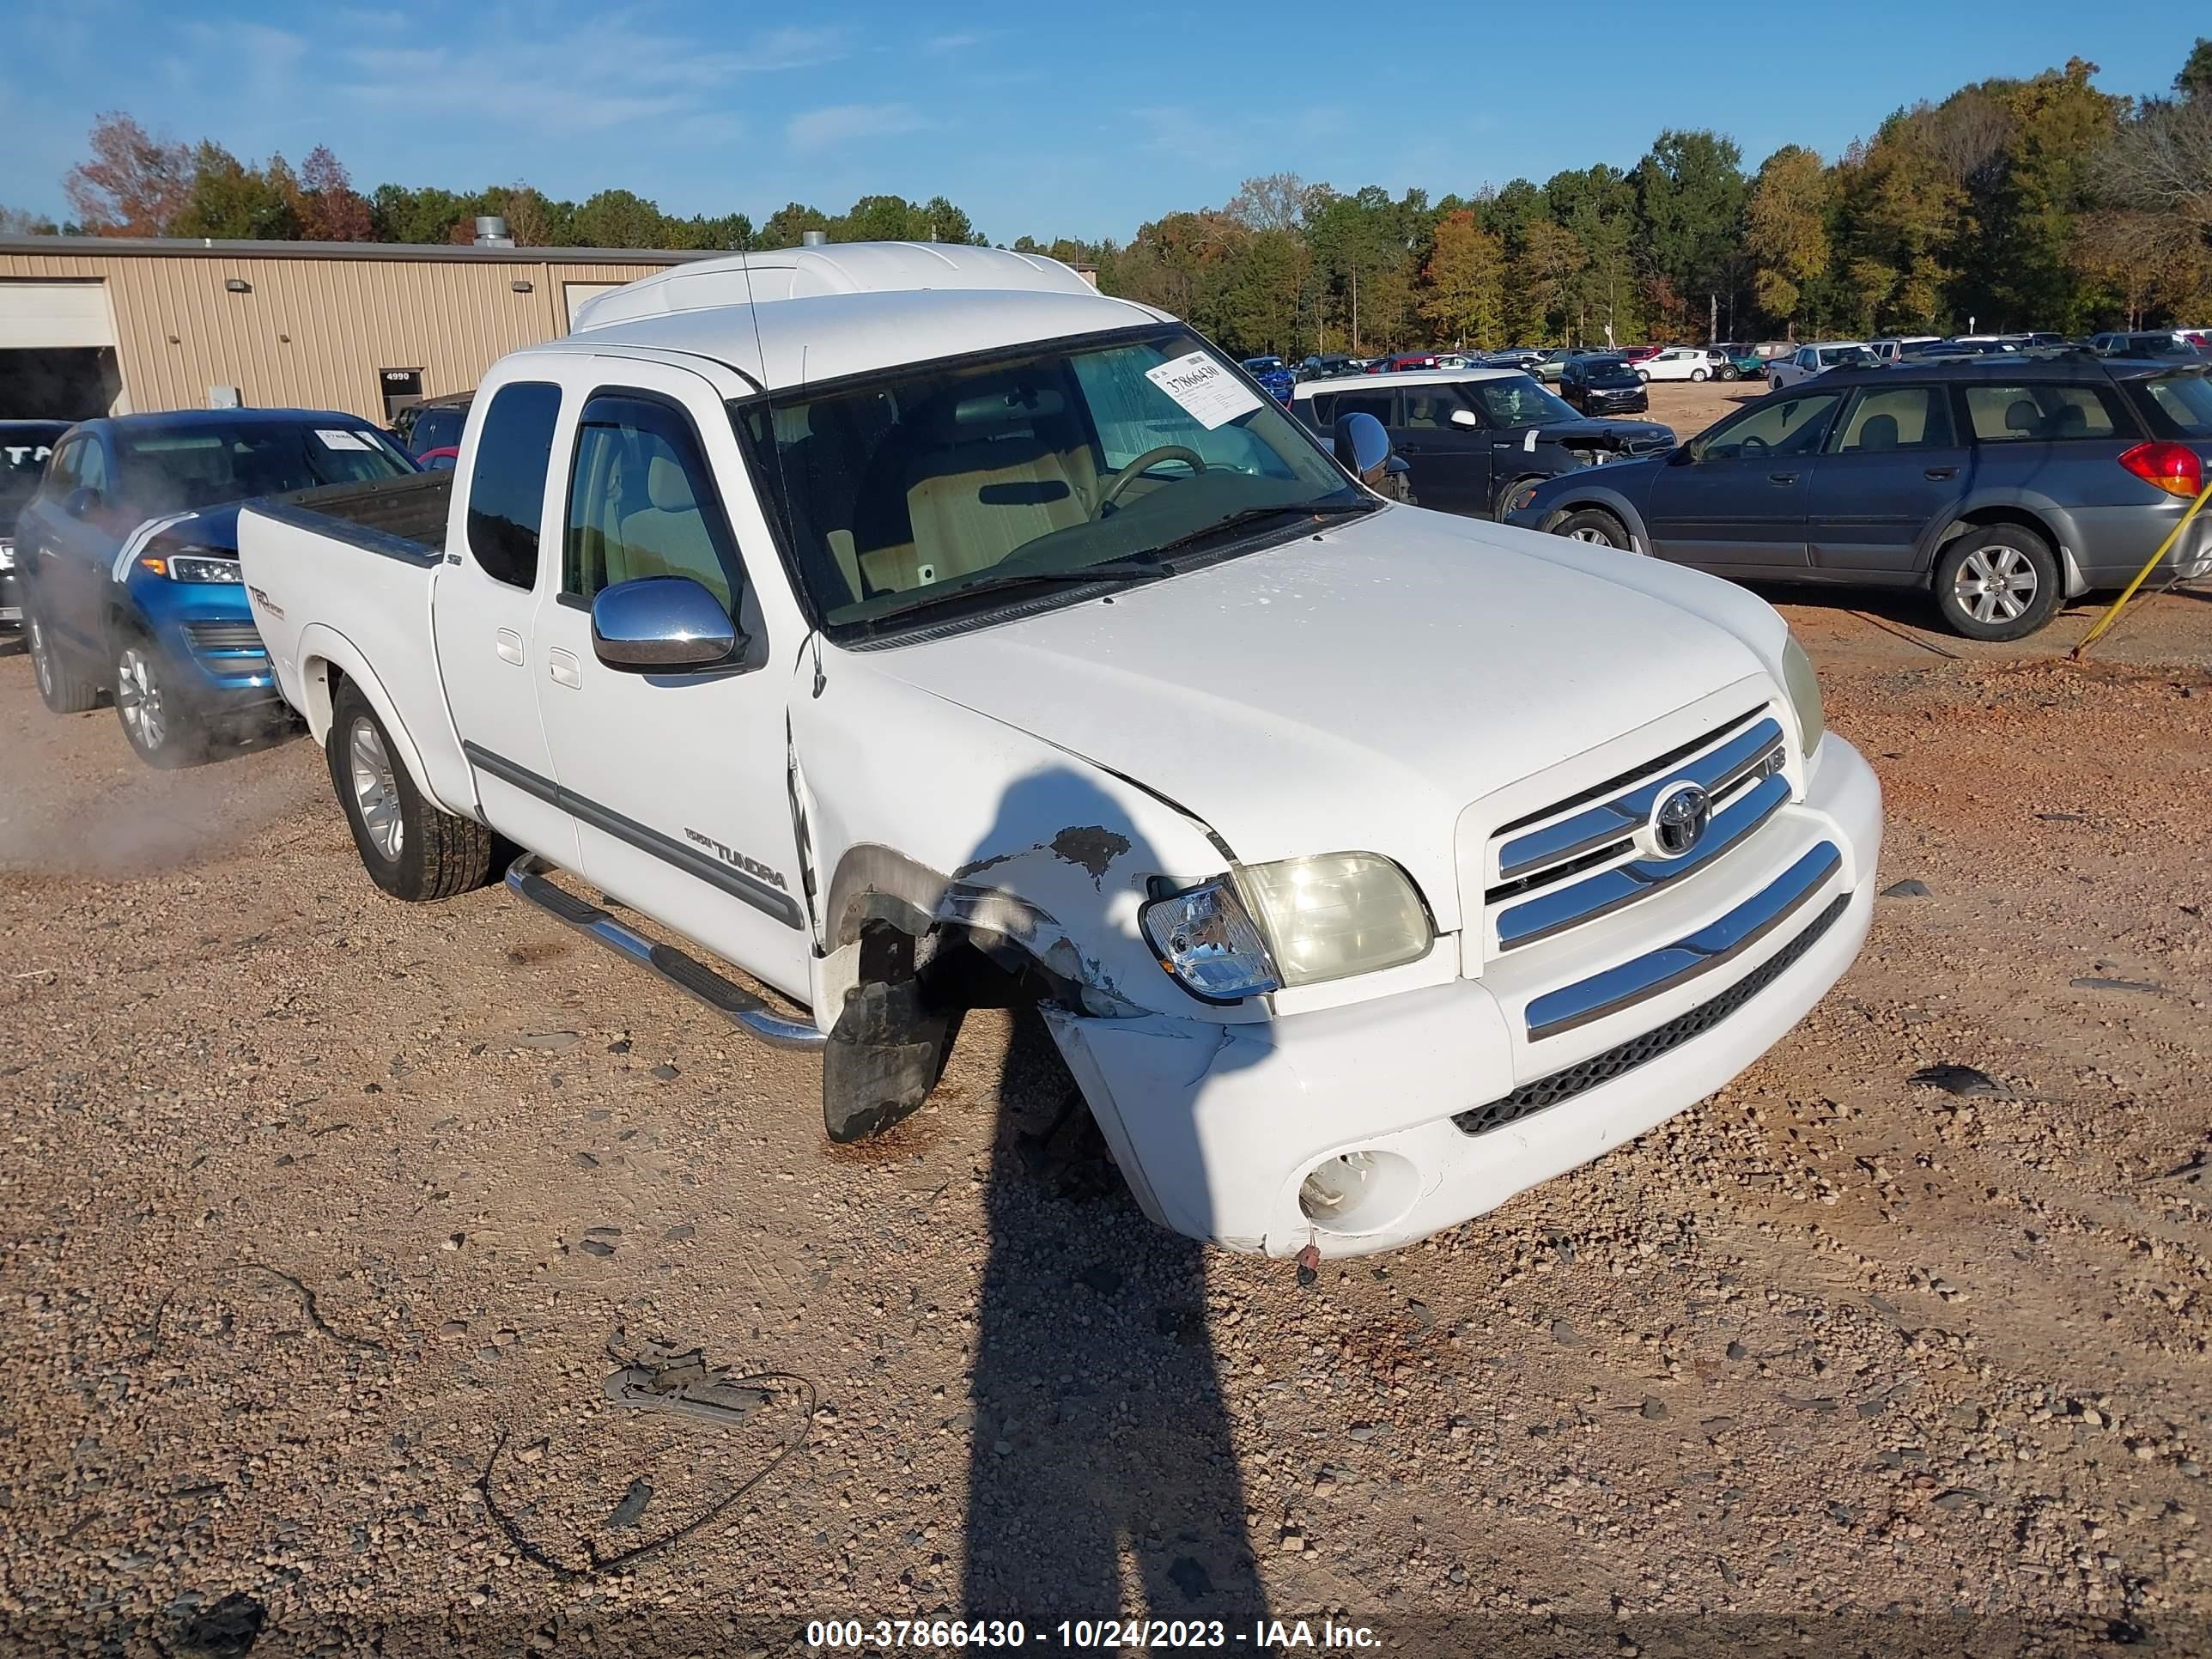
[{"x": 1679, "y": 817}]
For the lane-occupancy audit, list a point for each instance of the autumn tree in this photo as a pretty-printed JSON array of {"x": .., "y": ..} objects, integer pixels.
[
  {"x": 1787, "y": 229},
  {"x": 1464, "y": 298},
  {"x": 326, "y": 204},
  {"x": 133, "y": 186}
]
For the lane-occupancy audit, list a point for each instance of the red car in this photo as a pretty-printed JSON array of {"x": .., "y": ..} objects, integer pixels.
[
  {"x": 1407, "y": 359},
  {"x": 1633, "y": 355}
]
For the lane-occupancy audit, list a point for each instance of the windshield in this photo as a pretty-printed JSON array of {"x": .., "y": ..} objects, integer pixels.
[
  {"x": 898, "y": 488},
  {"x": 2184, "y": 401},
  {"x": 22, "y": 462},
  {"x": 1519, "y": 401},
  {"x": 177, "y": 468},
  {"x": 1848, "y": 357}
]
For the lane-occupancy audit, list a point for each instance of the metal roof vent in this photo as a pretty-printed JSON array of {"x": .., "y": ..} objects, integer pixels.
[
  {"x": 491, "y": 231},
  {"x": 813, "y": 238}
]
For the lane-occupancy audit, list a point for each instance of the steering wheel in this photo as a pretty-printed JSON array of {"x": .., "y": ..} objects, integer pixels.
[
  {"x": 1753, "y": 444},
  {"x": 1129, "y": 474}
]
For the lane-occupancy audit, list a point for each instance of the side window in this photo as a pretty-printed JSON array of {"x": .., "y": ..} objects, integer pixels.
[
  {"x": 642, "y": 502},
  {"x": 1792, "y": 426},
  {"x": 1899, "y": 417},
  {"x": 61, "y": 472},
  {"x": 1432, "y": 407},
  {"x": 2039, "y": 414},
  {"x": 91, "y": 467},
  {"x": 506, "y": 490},
  {"x": 1376, "y": 404}
]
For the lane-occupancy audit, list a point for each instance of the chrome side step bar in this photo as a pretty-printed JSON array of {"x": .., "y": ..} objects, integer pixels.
[{"x": 525, "y": 879}]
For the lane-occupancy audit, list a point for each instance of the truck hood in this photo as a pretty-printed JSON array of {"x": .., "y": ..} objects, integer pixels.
[{"x": 1355, "y": 690}]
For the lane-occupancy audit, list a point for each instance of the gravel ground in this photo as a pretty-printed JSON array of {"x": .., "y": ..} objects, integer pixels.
[{"x": 328, "y": 1221}]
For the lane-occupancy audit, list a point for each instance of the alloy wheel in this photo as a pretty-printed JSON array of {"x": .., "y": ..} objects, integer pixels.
[
  {"x": 1995, "y": 583},
  {"x": 1586, "y": 534},
  {"x": 375, "y": 789},
  {"x": 138, "y": 699}
]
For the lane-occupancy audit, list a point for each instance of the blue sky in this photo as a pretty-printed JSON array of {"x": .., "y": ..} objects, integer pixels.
[{"x": 1082, "y": 120}]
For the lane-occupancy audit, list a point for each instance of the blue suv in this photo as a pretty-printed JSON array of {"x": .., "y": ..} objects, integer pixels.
[{"x": 128, "y": 560}]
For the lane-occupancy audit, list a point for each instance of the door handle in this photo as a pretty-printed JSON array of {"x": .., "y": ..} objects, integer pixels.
[
  {"x": 1781, "y": 477},
  {"x": 1941, "y": 473},
  {"x": 508, "y": 644},
  {"x": 563, "y": 667}
]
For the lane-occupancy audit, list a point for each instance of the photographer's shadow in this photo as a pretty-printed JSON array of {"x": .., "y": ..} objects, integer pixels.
[{"x": 1103, "y": 1480}]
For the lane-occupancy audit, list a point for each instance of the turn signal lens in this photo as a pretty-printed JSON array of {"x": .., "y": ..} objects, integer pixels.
[{"x": 2174, "y": 468}]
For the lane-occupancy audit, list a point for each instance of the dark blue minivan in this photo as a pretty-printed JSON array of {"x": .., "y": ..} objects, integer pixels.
[{"x": 127, "y": 558}]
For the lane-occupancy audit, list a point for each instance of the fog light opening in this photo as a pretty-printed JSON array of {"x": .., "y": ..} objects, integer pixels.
[
  {"x": 1360, "y": 1191},
  {"x": 1337, "y": 1186}
]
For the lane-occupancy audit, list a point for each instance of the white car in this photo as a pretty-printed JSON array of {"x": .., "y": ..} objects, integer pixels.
[
  {"x": 1817, "y": 358},
  {"x": 1683, "y": 363},
  {"x": 917, "y": 629}
]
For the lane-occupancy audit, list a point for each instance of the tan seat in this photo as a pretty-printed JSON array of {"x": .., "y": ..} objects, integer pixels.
[
  {"x": 669, "y": 536},
  {"x": 992, "y": 479}
]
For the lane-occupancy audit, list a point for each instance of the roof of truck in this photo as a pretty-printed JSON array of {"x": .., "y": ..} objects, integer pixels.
[{"x": 808, "y": 314}]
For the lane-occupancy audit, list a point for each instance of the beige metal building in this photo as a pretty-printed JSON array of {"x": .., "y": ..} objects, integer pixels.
[{"x": 91, "y": 325}]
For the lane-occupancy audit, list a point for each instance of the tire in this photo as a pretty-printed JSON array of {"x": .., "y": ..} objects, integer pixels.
[
  {"x": 1594, "y": 524},
  {"x": 410, "y": 848},
  {"x": 1727, "y": 372},
  {"x": 1774, "y": 383},
  {"x": 1498, "y": 503},
  {"x": 1698, "y": 375},
  {"x": 1643, "y": 376},
  {"x": 60, "y": 687},
  {"x": 162, "y": 729},
  {"x": 2000, "y": 582}
]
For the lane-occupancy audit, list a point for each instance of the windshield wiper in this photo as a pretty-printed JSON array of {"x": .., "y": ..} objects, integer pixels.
[{"x": 1253, "y": 514}]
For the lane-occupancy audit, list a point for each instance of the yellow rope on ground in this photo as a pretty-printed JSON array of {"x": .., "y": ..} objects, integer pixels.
[{"x": 2112, "y": 614}]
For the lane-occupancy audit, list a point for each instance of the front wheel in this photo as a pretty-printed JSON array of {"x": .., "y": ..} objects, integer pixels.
[
  {"x": 410, "y": 848},
  {"x": 162, "y": 731},
  {"x": 1997, "y": 583},
  {"x": 1594, "y": 524},
  {"x": 1774, "y": 383}
]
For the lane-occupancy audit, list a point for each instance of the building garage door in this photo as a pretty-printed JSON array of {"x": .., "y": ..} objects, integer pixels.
[{"x": 56, "y": 351}]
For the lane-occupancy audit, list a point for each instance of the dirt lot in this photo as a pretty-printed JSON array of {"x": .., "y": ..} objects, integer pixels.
[{"x": 329, "y": 1221}]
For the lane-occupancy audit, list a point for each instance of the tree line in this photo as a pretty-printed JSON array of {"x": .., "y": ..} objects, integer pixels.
[{"x": 2039, "y": 203}]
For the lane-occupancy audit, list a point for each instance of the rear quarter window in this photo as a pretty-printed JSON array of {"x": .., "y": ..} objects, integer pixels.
[
  {"x": 507, "y": 488},
  {"x": 2177, "y": 405}
]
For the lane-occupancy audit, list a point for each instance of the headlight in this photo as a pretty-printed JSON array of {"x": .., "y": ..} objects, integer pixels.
[
  {"x": 191, "y": 568},
  {"x": 1803, "y": 686},
  {"x": 1298, "y": 922},
  {"x": 7, "y": 556}
]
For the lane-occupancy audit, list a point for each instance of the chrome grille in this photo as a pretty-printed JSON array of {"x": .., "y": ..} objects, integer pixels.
[
  {"x": 1584, "y": 856},
  {"x": 1624, "y": 1057}
]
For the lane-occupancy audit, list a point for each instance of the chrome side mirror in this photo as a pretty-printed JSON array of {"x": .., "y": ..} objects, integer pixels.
[
  {"x": 661, "y": 625},
  {"x": 1362, "y": 445}
]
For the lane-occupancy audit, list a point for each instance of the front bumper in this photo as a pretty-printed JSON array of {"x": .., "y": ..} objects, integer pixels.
[
  {"x": 1217, "y": 1126},
  {"x": 217, "y": 660}
]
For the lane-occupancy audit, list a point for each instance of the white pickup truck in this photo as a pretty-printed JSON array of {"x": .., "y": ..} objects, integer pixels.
[{"x": 916, "y": 628}]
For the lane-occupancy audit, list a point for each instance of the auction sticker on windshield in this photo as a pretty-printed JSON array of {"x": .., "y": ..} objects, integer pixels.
[
  {"x": 338, "y": 437},
  {"x": 1210, "y": 393}
]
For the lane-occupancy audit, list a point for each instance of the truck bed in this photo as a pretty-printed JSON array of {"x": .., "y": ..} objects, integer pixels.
[
  {"x": 401, "y": 518},
  {"x": 340, "y": 580}
]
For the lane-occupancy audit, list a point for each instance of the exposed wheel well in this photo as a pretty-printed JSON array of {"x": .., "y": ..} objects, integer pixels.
[{"x": 1983, "y": 516}]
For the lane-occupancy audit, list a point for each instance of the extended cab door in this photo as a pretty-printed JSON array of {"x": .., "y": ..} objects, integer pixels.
[
  {"x": 500, "y": 564},
  {"x": 678, "y": 781}
]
